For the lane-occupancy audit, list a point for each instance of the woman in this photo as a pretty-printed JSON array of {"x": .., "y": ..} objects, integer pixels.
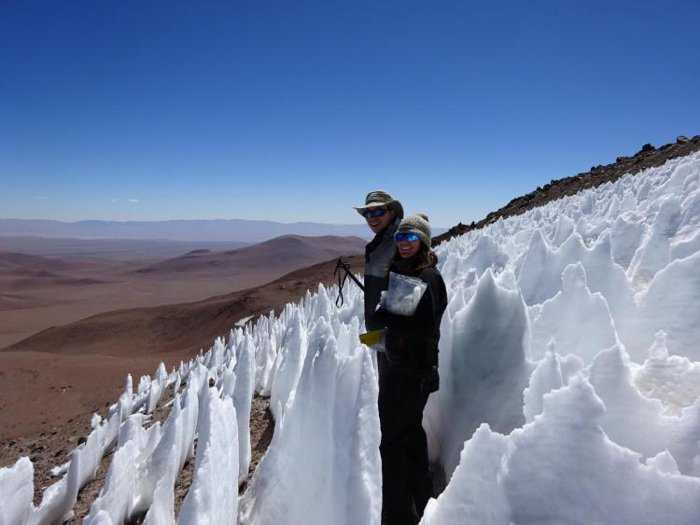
[{"x": 408, "y": 377}]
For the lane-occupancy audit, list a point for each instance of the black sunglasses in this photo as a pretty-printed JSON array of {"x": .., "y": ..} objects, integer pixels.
[{"x": 374, "y": 212}]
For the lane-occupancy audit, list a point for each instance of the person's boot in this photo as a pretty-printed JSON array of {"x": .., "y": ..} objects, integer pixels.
[
  {"x": 406, "y": 521},
  {"x": 423, "y": 492}
]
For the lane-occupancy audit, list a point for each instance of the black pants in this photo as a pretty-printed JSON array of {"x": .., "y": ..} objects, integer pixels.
[{"x": 407, "y": 485}]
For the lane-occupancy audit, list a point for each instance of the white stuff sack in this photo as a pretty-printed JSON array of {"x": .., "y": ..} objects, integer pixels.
[{"x": 403, "y": 295}]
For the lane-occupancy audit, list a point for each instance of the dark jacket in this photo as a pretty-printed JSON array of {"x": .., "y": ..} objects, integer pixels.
[
  {"x": 412, "y": 341},
  {"x": 379, "y": 254}
]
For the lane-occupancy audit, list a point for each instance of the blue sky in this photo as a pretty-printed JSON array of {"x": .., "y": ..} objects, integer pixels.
[{"x": 293, "y": 111}]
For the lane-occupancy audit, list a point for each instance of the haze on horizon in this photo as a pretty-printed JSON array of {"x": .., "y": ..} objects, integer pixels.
[{"x": 127, "y": 111}]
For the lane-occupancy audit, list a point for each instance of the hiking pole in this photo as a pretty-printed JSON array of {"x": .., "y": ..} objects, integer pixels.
[
  {"x": 342, "y": 272},
  {"x": 373, "y": 338}
]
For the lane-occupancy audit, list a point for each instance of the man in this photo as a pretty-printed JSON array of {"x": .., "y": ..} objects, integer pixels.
[{"x": 383, "y": 214}]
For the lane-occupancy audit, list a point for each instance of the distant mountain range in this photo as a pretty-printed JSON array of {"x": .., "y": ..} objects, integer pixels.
[
  {"x": 218, "y": 230},
  {"x": 238, "y": 230}
]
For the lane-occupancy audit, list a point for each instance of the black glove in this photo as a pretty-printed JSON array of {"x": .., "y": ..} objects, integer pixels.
[{"x": 430, "y": 380}]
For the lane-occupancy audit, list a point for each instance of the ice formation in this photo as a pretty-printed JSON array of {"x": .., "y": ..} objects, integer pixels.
[
  {"x": 16, "y": 490},
  {"x": 612, "y": 408},
  {"x": 578, "y": 320},
  {"x": 561, "y": 468},
  {"x": 570, "y": 388},
  {"x": 213, "y": 496},
  {"x": 326, "y": 444},
  {"x": 485, "y": 383}
]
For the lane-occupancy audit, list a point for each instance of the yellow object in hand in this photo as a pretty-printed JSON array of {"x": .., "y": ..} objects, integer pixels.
[{"x": 372, "y": 337}]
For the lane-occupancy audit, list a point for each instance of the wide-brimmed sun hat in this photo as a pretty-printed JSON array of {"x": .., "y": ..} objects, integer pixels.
[{"x": 380, "y": 199}]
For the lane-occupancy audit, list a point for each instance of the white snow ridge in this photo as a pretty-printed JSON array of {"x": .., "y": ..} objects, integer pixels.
[{"x": 570, "y": 388}]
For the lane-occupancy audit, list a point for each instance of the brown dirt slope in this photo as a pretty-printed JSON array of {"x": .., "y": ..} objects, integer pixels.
[
  {"x": 183, "y": 327},
  {"x": 647, "y": 157},
  {"x": 38, "y": 292},
  {"x": 75, "y": 369}
]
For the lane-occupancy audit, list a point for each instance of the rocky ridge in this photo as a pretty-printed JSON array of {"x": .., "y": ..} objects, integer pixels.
[{"x": 647, "y": 157}]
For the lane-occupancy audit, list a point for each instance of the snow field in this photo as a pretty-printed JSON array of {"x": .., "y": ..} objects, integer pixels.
[
  {"x": 593, "y": 303},
  {"x": 569, "y": 388}
]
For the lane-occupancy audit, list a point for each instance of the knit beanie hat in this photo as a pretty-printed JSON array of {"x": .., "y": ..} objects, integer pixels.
[{"x": 419, "y": 225}]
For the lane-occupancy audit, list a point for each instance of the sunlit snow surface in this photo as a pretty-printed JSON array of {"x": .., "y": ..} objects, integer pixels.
[{"x": 569, "y": 388}]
